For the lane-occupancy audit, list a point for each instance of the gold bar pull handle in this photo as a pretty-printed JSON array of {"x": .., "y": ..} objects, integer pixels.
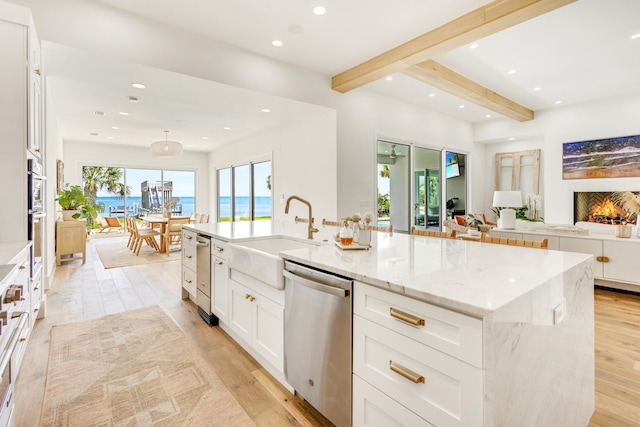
[
  {"x": 406, "y": 317},
  {"x": 406, "y": 372},
  {"x": 602, "y": 259}
]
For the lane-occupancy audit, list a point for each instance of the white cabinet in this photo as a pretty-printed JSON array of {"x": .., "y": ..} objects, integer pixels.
[
  {"x": 220, "y": 278},
  {"x": 259, "y": 321},
  {"x": 34, "y": 139},
  {"x": 620, "y": 260},
  {"x": 421, "y": 360},
  {"x": 189, "y": 264},
  {"x": 613, "y": 258},
  {"x": 585, "y": 246},
  {"x": 371, "y": 408}
]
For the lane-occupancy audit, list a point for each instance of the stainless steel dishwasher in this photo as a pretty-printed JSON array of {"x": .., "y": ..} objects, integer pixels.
[
  {"x": 203, "y": 279},
  {"x": 317, "y": 339}
]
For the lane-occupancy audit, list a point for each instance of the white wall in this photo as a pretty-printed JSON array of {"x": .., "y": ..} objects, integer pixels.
[
  {"x": 607, "y": 118},
  {"x": 53, "y": 151},
  {"x": 304, "y": 165}
]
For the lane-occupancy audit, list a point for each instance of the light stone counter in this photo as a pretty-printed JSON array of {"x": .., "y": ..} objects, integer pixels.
[
  {"x": 538, "y": 367},
  {"x": 536, "y": 308}
]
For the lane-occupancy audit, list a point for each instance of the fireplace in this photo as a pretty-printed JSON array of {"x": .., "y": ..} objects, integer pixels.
[{"x": 600, "y": 207}]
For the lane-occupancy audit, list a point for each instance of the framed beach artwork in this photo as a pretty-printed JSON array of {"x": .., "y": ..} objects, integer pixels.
[{"x": 601, "y": 158}]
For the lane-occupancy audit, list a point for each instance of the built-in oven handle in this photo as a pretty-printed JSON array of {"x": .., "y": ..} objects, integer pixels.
[
  {"x": 13, "y": 342},
  {"x": 316, "y": 285}
]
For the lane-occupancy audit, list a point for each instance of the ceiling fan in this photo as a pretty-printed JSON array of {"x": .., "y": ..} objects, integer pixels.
[{"x": 393, "y": 154}]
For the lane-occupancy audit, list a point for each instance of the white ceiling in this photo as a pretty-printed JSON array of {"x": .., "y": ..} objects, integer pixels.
[{"x": 581, "y": 52}]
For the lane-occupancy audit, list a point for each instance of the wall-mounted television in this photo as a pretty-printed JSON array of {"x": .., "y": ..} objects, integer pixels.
[{"x": 452, "y": 166}]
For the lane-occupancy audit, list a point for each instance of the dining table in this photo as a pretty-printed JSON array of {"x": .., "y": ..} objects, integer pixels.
[{"x": 152, "y": 221}]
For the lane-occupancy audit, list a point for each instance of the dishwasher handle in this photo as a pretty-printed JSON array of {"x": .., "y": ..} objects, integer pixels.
[{"x": 316, "y": 285}]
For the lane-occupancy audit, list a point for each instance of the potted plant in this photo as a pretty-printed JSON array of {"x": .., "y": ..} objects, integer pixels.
[{"x": 75, "y": 205}]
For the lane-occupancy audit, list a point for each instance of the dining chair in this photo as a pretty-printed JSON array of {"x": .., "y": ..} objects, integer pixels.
[
  {"x": 195, "y": 218},
  {"x": 386, "y": 228},
  {"x": 539, "y": 244},
  {"x": 433, "y": 233},
  {"x": 139, "y": 236},
  {"x": 173, "y": 231},
  {"x": 204, "y": 218}
]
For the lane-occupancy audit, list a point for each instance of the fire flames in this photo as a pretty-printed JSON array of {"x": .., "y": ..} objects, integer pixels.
[
  {"x": 607, "y": 211},
  {"x": 605, "y": 208}
]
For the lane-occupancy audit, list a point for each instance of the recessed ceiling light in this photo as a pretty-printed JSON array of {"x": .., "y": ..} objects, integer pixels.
[
  {"x": 488, "y": 116},
  {"x": 635, "y": 36},
  {"x": 204, "y": 137},
  {"x": 537, "y": 88},
  {"x": 431, "y": 95},
  {"x": 389, "y": 78},
  {"x": 512, "y": 71},
  {"x": 277, "y": 43},
  {"x": 265, "y": 110},
  {"x": 473, "y": 46},
  {"x": 319, "y": 10},
  {"x": 461, "y": 106},
  {"x": 226, "y": 128},
  {"x": 558, "y": 102},
  {"x": 115, "y": 127},
  {"x": 122, "y": 113},
  {"x": 109, "y": 137},
  {"x": 133, "y": 99},
  {"x": 511, "y": 138},
  {"x": 138, "y": 85}
]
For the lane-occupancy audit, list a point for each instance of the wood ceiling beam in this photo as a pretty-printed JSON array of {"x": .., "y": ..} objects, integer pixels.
[
  {"x": 482, "y": 22},
  {"x": 441, "y": 77}
]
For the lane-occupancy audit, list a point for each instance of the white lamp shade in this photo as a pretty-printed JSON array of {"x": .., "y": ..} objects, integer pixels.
[
  {"x": 507, "y": 199},
  {"x": 166, "y": 149}
]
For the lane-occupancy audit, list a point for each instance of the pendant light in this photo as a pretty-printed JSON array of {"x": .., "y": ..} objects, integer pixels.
[{"x": 166, "y": 148}]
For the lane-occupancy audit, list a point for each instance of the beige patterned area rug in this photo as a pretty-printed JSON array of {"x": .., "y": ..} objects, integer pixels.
[
  {"x": 133, "y": 369},
  {"x": 118, "y": 255}
]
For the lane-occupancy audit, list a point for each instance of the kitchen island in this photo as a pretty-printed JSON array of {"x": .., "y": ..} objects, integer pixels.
[{"x": 507, "y": 333}]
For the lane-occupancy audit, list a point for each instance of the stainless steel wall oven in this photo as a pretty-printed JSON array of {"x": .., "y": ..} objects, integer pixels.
[{"x": 35, "y": 212}]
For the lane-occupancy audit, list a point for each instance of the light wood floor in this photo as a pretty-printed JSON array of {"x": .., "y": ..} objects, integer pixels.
[
  {"x": 87, "y": 291},
  {"x": 81, "y": 292}
]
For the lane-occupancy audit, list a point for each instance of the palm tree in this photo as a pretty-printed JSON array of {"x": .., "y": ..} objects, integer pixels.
[{"x": 96, "y": 178}]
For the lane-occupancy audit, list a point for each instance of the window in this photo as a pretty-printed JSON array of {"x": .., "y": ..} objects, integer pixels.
[
  {"x": 244, "y": 192},
  {"x": 137, "y": 192}
]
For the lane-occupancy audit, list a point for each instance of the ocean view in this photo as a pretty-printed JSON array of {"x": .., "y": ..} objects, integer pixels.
[{"x": 262, "y": 206}]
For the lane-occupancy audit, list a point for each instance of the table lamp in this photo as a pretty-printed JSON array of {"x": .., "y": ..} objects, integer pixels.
[{"x": 505, "y": 200}]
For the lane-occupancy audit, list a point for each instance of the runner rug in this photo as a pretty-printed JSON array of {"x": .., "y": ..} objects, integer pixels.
[{"x": 135, "y": 368}]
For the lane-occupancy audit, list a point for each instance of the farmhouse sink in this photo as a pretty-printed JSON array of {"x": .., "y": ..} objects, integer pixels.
[{"x": 259, "y": 258}]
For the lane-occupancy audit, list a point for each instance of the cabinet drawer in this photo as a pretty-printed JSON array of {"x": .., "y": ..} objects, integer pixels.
[
  {"x": 219, "y": 248},
  {"x": 372, "y": 408},
  {"x": 189, "y": 237},
  {"x": 189, "y": 280},
  {"x": 189, "y": 256},
  {"x": 439, "y": 388},
  {"x": 453, "y": 333}
]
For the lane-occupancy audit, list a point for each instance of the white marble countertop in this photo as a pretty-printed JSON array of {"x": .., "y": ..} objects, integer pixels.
[
  {"x": 228, "y": 231},
  {"x": 472, "y": 277},
  {"x": 9, "y": 250}
]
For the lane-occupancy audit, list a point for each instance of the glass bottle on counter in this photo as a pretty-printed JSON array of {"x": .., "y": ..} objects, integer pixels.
[{"x": 346, "y": 234}]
